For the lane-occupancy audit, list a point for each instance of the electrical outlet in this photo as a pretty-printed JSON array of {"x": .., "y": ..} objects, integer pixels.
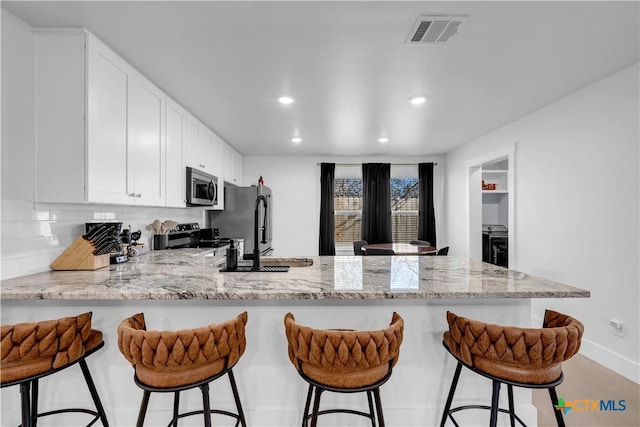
[{"x": 616, "y": 327}]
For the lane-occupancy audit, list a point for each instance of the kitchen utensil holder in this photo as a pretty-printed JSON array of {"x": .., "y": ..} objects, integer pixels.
[
  {"x": 160, "y": 241},
  {"x": 79, "y": 256}
]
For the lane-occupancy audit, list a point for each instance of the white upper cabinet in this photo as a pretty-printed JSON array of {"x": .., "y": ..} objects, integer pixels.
[
  {"x": 233, "y": 166},
  {"x": 106, "y": 134},
  {"x": 146, "y": 147},
  {"x": 199, "y": 145},
  {"x": 176, "y": 125},
  {"x": 106, "y": 144},
  {"x": 100, "y": 124}
]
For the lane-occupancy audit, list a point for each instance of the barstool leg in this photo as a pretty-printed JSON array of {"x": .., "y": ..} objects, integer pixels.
[
  {"x": 316, "y": 407},
  {"x": 94, "y": 393},
  {"x": 305, "y": 416},
  {"x": 371, "y": 413},
  {"x": 25, "y": 403},
  {"x": 554, "y": 402},
  {"x": 176, "y": 407},
  {"x": 452, "y": 390},
  {"x": 34, "y": 402},
  {"x": 143, "y": 408},
  {"x": 511, "y": 408},
  {"x": 206, "y": 405},
  {"x": 236, "y": 397},
  {"x": 376, "y": 394},
  {"x": 495, "y": 400}
]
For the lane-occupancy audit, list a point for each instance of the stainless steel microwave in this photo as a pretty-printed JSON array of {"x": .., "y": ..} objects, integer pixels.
[{"x": 202, "y": 188}]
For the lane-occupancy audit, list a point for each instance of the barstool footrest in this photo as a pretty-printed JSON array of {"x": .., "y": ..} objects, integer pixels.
[
  {"x": 340, "y": 411},
  {"x": 201, "y": 412},
  {"x": 464, "y": 407}
]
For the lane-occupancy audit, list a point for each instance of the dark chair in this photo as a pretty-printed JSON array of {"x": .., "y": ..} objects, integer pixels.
[
  {"x": 522, "y": 357},
  {"x": 420, "y": 243},
  {"x": 344, "y": 361},
  {"x": 379, "y": 251},
  {"x": 443, "y": 251},
  {"x": 171, "y": 362},
  {"x": 357, "y": 247},
  {"x": 31, "y": 351}
]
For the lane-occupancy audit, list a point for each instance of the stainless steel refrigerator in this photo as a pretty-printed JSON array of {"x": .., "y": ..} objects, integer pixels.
[{"x": 237, "y": 220}]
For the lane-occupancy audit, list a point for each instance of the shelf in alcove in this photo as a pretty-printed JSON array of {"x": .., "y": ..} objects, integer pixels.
[
  {"x": 495, "y": 191},
  {"x": 494, "y": 171}
]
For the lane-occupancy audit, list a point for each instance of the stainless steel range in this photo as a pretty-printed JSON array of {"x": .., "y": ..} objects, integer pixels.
[
  {"x": 180, "y": 236},
  {"x": 495, "y": 244}
]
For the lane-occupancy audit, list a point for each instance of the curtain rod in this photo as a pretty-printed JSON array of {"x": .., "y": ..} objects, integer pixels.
[{"x": 360, "y": 164}]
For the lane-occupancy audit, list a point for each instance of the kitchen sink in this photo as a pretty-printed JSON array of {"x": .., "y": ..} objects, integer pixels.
[
  {"x": 291, "y": 262},
  {"x": 271, "y": 264},
  {"x": 263, "y": 269}
]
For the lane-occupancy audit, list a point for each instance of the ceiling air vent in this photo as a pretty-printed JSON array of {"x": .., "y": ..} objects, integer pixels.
[{"x": 434, "y": 29}]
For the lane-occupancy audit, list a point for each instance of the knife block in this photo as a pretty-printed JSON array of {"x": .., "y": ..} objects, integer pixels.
[{"x": 79, "y": 256}]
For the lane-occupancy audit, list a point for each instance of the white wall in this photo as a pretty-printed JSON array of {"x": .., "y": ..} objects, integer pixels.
[
  {"x": 32, "y": 236},
  {"x": 576, "y": 208},
  {"x": 295, "y": 182}
]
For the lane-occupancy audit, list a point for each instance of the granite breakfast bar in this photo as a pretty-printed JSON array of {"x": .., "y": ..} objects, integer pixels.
[{"x": 184, "y": 288}]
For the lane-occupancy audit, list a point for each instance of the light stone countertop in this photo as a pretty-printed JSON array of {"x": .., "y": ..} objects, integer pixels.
[{"x": 194, "y": 274}]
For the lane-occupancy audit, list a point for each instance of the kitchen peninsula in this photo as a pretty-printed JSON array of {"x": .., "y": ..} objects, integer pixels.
[{"x": 184, "y": 288}]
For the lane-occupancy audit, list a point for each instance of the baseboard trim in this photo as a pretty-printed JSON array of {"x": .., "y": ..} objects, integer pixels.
[{"x": 607, "y": 358}]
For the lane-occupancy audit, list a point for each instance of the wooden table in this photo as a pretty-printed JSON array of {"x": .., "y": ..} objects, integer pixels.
[{"x": 403, "y": 248}]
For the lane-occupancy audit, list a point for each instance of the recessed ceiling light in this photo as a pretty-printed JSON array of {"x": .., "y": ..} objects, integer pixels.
[
  {"x": 383, "y": 140},
  {"x": 418, "y": 99},
  {"x": 286, "y": 100},
  {"x": 296, "y": 140}
]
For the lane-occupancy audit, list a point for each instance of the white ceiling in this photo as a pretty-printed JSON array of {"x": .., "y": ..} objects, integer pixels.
[{"x": 349, "y": 69}]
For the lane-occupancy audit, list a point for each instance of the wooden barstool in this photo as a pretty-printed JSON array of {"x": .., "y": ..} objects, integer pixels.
[
  {"x": 522, "y": 357},
  {"x": 34, "y": 350},
  {"x": 170, "y": 362},
  {"x": 344, "y": 361}
]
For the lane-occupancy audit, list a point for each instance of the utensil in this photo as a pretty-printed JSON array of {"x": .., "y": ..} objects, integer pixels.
[
  {"x": 167, "y": 226},
  {"x": 93, "y": 233},
  {"x": 157, "y": 226}
]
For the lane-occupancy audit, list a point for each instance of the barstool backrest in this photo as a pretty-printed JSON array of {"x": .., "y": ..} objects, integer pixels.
[
  {"x": 329, "y": 356},
  {"x": 187, "y": 347},
  {"x": 61, "y": 340},
  {"x": 472, "y": 341}
]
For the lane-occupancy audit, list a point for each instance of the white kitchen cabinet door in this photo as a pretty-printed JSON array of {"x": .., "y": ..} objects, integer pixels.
[
  {"x": 238, "y": 168},
  {"x": 176, "y": 124},
  {"x": 192, "y": 141},
  {"x": 217, "y": 158},
  {"x": 146, "y": 148},
  {"x": 106, "y": 145},
  {"x": 233, "y": 167},
  {"x": 199, "y": 145},
  {"x": 205, "y": 149}
]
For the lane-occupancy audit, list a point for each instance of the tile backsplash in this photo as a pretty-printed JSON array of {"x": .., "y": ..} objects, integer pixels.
[{"x": 32, "y": 235}]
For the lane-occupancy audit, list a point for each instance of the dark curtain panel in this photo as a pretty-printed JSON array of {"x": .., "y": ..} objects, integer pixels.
[
  {"x": 327, "y": 242},
  {"x": 426, "y": 213},
  {"x": 376, "y": 203}
]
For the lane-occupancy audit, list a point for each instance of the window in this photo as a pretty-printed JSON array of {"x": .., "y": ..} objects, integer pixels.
[
  {"x": 348, "y": 208},
  {"x": 404, "y": 209},
  {"x": 348, "y": 204}
]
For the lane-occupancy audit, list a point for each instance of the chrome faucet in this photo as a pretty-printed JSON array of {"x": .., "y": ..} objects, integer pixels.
[{"x": 256, "y": 228}]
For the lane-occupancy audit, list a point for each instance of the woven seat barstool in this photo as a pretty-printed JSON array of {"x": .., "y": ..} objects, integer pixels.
[
  {"x": 522, "y": 357},
  {"x": 344, "y": 361},
  {"x": 34, "y": 350},
  {"x": 171, "y": 362}
]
